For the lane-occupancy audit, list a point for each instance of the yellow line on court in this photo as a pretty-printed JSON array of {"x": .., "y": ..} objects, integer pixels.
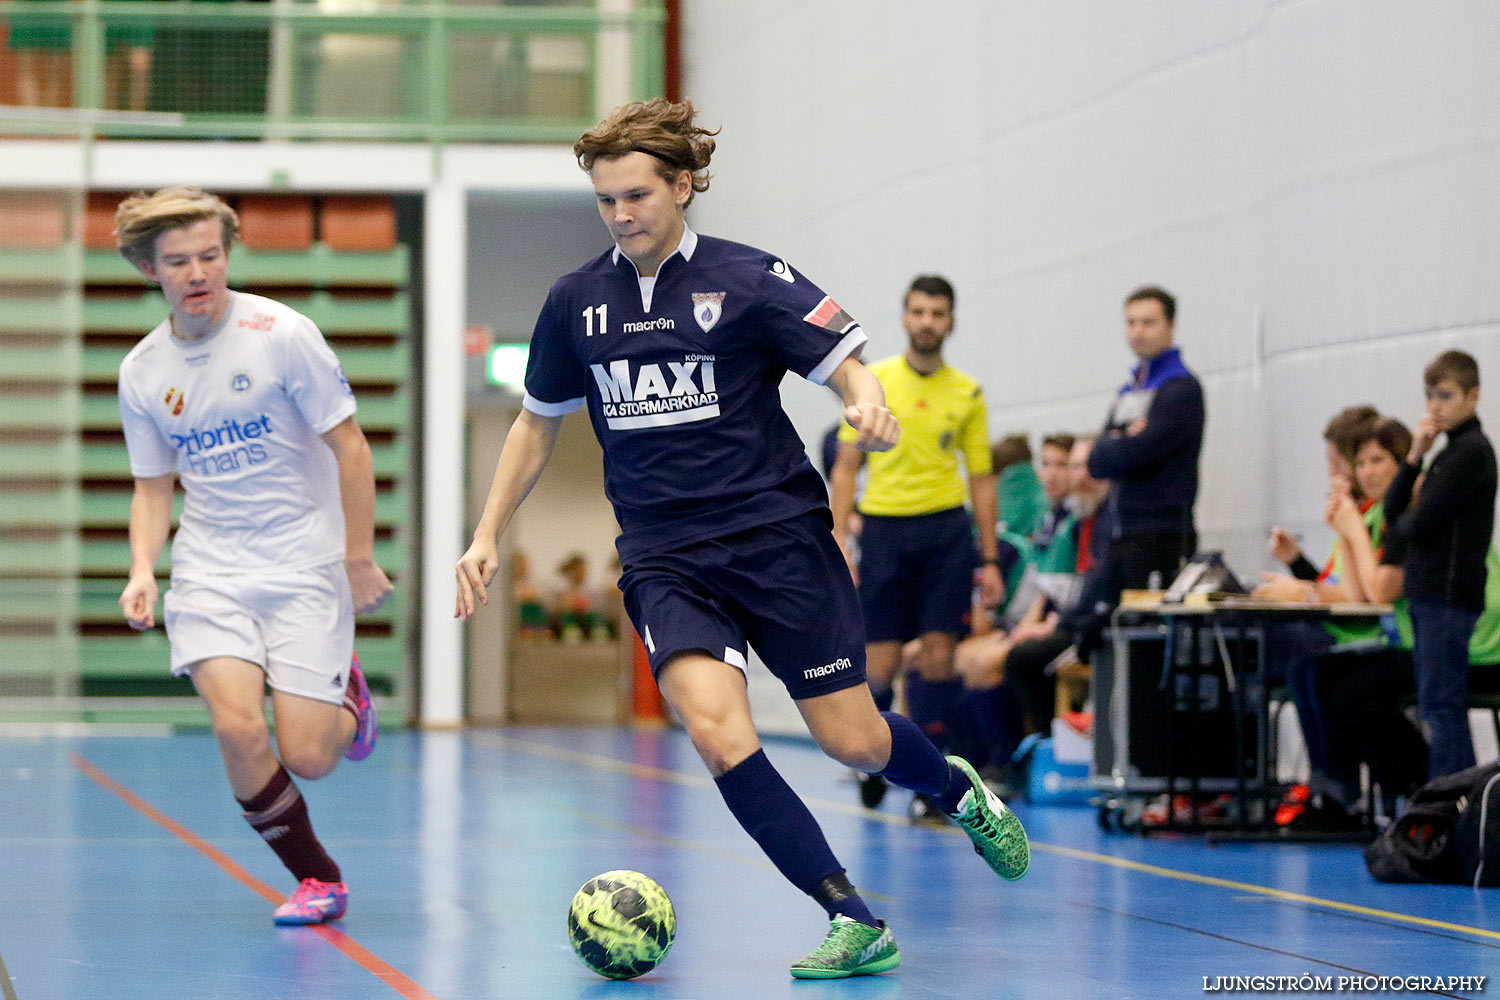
[
  {"x": 1282, "y": 894},
  {"x": 603, "y": 763}
]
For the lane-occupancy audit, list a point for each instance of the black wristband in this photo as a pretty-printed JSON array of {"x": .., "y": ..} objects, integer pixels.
[{"x": 991, "y": 562}]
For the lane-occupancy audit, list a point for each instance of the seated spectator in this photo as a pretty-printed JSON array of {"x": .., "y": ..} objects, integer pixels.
[
  {"x": 1052, "y": 539},
  {"x": 1004, "y": 668},
  {"x": 1339, "y": 438},
  {"x": 611, "y": 603},
  {"x": 531, "y": 611},
  {"x": 1365, "y": 692},
  {"x": 1293, "y": 649},
  {"x": 572, "y": 605},
  {"x": 1020, "y": 499},
  {"x": 1296, "y": 650}
]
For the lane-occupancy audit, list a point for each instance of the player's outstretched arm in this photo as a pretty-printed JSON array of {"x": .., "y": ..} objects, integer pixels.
[
  {"x": 150, "y": 523},
  {"x": 528, "y": 445},
  {"x": 864, "y": 406},
  {"x": 367, "y": 582},
  {"x": 845, "y": 476}
]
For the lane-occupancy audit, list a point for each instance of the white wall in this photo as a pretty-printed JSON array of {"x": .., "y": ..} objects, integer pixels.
[{"x": 1315, "y": 181}]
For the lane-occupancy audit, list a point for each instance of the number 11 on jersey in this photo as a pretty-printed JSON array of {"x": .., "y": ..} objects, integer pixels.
[{"x": 588, "y": 319}]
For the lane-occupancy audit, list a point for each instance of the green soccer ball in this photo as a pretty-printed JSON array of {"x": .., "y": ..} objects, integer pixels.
[{"x": 621, "y": 924}]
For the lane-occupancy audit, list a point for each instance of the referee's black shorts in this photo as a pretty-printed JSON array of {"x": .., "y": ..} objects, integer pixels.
[{"x": 916, "y": 574}]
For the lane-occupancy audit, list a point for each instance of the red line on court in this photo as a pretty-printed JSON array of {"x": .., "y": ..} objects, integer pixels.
[{"x": 374, "y": 964}]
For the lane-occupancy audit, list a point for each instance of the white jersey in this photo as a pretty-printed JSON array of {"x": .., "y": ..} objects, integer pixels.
[{"x": 238, "y": 416}]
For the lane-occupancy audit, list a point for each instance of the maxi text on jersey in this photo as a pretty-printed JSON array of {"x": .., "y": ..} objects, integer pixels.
[{"x": 657, "y": 394}]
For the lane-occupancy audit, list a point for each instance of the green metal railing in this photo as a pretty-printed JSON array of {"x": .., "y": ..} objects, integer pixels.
[{"x": 294, "y": 70}]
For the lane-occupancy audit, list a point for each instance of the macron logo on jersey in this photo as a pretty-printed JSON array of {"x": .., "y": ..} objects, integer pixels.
[{"x": 635, "y": 396}]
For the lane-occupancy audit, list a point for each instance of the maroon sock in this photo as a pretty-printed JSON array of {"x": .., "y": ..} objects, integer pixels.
[{"x": 279, "y": 814}]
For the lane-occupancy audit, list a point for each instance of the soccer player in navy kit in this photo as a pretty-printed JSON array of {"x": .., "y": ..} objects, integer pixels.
[
  {"x": 241, "y": 399},
  {"x": 677, "y": 344}
]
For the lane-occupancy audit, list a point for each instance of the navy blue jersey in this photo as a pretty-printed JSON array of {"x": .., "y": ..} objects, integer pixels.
[{"x": 682, "y": 380}]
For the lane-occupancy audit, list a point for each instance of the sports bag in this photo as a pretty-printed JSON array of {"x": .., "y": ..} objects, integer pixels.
[{"x": 1450, "y": 832}]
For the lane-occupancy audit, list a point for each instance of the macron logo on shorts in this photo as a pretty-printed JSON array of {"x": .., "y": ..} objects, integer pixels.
[{"x": 842, "y": 663}]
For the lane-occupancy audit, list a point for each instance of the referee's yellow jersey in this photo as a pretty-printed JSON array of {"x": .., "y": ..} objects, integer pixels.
[{"x": 941, "y": 416}]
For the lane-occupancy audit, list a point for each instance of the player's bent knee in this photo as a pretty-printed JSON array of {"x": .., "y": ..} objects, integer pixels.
[
  {"x": 721, "y": 745},
  {"x": 867, "y": 748},
  {"x": 242, "y": 733},
  {"x": 308, "y": 761}
]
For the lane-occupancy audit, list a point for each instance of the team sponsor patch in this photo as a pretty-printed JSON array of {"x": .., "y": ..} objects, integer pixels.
[
  {"x": 707, "y": 308},
  {"x": 633, "y": 395},
  {"x": 830, "y": 316},
  {"x": 782, "y": 270}
]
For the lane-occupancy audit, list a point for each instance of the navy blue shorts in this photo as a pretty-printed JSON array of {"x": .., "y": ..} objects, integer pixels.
[
  {"x": 783, "y": 588},
  {"x": 916, "y": 574}
]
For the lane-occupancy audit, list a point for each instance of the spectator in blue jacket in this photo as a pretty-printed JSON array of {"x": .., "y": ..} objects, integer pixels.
[{"x": 1149, "y": 451}]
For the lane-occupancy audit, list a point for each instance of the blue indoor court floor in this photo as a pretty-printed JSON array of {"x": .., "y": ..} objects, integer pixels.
[{"x": 126, "y": 872}]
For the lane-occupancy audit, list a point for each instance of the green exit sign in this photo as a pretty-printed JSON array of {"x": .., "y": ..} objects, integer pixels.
[{"x": 507, "y": 365}]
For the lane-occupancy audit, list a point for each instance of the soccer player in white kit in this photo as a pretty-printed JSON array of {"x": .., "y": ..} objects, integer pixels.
[{"x": 240, "y": 398}]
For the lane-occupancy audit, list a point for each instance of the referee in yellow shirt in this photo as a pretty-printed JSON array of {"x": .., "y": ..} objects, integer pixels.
[{"x": 917, "y": 560}]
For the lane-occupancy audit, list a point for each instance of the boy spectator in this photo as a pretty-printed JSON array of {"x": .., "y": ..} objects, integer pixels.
[{"x": 1447, "y": 532}]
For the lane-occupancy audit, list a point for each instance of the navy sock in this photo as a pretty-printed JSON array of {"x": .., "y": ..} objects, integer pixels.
[
  {"x": 916, "y": 764},
  {"x": 995, "y": 715},
  {"x": 884, "y": 699},
  {"x": 786, "y": 831},
  {"x": 838, "y": 896},
  {"x": 933, "y": 704}
]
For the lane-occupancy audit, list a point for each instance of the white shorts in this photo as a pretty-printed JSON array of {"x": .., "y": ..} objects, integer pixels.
[{"x": 298, "y": 627}]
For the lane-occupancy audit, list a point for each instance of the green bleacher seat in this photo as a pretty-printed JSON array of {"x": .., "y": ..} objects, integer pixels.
[
  {"x": 39, "y": 410},
  {"x": 55, "y": 507},
  {"x": 40, "y": 359},
  {"x": 39, "y": 460}
]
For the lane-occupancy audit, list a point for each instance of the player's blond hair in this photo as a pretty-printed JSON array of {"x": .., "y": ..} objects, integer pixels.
[
  {"x": 143, "y": 217},
  {"x": 659, "y": 128}
]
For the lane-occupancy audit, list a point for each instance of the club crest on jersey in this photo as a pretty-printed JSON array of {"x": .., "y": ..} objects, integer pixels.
[
  {"x": 707, "y": 308},
  {"x": 173, "y": 401},
  {"x": 240, "y": 381}
]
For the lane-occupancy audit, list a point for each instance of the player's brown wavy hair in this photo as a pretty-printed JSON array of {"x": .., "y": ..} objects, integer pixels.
[
  {"x": 143, "y": 217},
  {"x": 660, "y": 128}
]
